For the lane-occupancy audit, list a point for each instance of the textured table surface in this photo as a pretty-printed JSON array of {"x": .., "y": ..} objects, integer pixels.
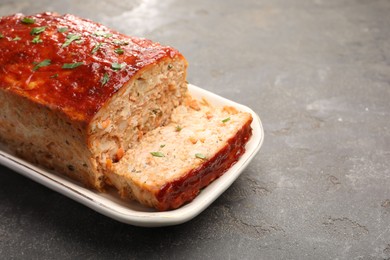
[{"x": 318, "y": 74}]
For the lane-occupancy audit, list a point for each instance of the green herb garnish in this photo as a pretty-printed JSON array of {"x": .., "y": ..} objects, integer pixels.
[
  {"x": 157, "y": 154},
  {"x": 28, "y": 20},
  {"x": 37, "y": 30},
  {"x": 54, "y": 76},
  {"x": 62, "y": 29},
  {"x": 119, "y": 51},
  {"x": 178, "y": 128},
  {"x": 118, "y": 66},
  {"x": 162, "y": 146},
  {"x": 101, "y": 33},
  {"x": 36, "y": 39},
  {"x": 225, "y": 120},
  {"x": 105, "y": 79},
  {"x": 119, "y": 42},
  {"x": 17, "y": 38},
  {"x": 200, "y": 156},
  {"x": 96, "y": 47},
  {"x": 72, "y": 65},
  {"x": 41, "y": 64},
  {"x": 1, "y": 36},
  {"x": 70, "y": 39},
  {"x": 170, "y": 66}
]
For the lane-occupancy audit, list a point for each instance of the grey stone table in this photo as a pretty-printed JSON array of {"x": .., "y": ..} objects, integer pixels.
[{"x": 318, "y": 74}]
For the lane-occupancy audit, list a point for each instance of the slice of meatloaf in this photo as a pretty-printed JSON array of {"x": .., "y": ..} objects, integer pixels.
[
  {"x": 75, "y": 94},
  {"x": 172, "y": 163}
]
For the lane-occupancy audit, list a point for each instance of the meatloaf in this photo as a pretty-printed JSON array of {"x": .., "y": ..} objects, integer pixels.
[
  {"x": 109, "y": 109},
  {"x": 172, "y": 163},
  {"x": 75, "y": 95}
]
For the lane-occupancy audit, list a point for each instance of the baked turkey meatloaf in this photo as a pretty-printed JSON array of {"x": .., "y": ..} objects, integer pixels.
[
  {"x": 75, "y": 94},
  {"x": 109, "y": 109}
]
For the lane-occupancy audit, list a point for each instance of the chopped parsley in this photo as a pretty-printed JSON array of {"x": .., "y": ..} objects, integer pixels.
[
  {"x": 36, "y": 39},
  {"x": 54, "y": 76},
  {"x": 119, "y": 42},
  {"x": 170, "y": 66},
  {"x": 178, "y": 128},
  {"x": 200, "y": 156},
  {"x": 70, "y": 39},
  {"x": 119, "y": 51},
  {"x": 28, "y": 20},
  {"x": 62, "y": 29},
  {"x": 157, "y": 154},
  {"x": 1, "y": 36},
  {"x": 37, "y": 30},
  {"x": 162, "y": 146},
  {"x": 226, "y": 119},
  {"x": 101, "y": 33},
  {"x": 72, "y": 65},
  {"x": 118, "y": 66},
  {"x": 105, "y": 79},
  {"x": 96, "y": 47},
  {"x": 17, "y": 38},
  {"x": 41, "y": 64}
]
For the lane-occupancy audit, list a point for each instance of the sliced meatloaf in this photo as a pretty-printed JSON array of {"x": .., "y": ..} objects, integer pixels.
[{"x": 172, "y": 163}]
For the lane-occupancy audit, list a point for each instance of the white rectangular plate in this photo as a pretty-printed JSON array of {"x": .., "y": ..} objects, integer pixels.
[{"x": 112, "y": 206}]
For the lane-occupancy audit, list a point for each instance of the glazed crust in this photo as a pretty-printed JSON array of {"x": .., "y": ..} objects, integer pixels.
[{"x": 79, "y": 92}]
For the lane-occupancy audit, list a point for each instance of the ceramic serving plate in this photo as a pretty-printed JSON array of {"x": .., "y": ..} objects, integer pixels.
[{"x": 112, "y": 206}]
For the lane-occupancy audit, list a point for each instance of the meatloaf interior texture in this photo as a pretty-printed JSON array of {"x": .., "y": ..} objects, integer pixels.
[
  {"x": 172, "y": 163},
  {"x": 75, "y": 95}
]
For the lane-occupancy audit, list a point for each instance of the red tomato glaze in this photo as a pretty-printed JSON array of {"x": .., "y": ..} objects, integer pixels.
[{"x": 32, "y": 56}]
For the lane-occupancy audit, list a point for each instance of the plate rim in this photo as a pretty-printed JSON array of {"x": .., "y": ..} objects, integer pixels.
[{"x": 88, "y": 198}]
